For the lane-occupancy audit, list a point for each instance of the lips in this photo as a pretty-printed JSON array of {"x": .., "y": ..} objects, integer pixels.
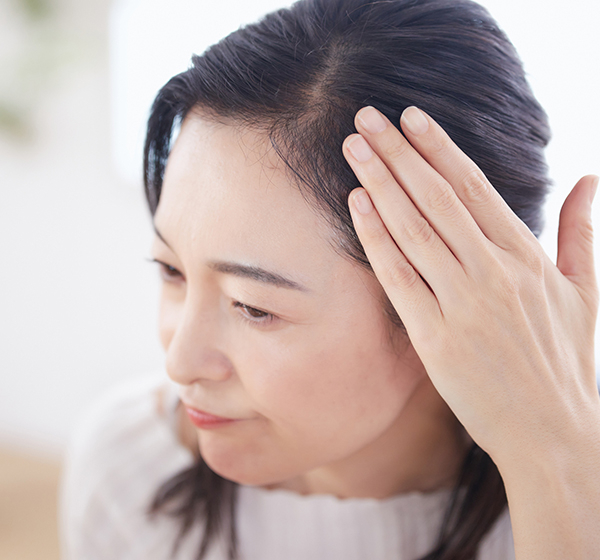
[
  {"x": 207, "y": 416},
  {"x": 203, "y": 419}
]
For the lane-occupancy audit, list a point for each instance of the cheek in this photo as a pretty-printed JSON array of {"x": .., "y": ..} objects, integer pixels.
[{"x": 321, "y": 386}]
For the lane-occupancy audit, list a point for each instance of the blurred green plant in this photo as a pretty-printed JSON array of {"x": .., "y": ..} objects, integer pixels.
[
  {"x": 12, "y": 119},
  {"x": 32, "y": 50},
  {"x": 36, "y": 9}
]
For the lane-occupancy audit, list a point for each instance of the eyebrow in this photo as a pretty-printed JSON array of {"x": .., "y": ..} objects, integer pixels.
[
  {"x": 256, "y": 273},
  {"x": 246, "y": 271}
]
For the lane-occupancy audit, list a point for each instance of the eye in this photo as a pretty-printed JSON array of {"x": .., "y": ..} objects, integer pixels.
[
  {"x": 167, "y": 272},
  {"x": 253, "y": 315}
]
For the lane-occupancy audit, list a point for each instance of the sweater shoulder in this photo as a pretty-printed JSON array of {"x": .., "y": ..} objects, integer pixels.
[{"x": 124, "y": 448}]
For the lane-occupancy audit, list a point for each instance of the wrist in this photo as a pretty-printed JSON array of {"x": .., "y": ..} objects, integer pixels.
[
  {"x": 562, "y": 458},
  {"x": 552, "y": 439},
  {"x": 553, "y": 492}
]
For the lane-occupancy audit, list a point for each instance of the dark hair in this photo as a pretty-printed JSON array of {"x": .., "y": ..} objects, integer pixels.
[{"x": 300, "y": 75}]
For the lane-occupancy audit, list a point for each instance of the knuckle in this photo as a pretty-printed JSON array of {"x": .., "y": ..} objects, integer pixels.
[
  {"x": 514, "y": 276},
  {"x": 419, "y": 231},
  {"x": 396, "y": 150},
  {"x": 506, "y": 285},
  {"x": 528, "y": 254},
  {"x": 440, "y": 144},
  {"x": 378, "y": 235},
  {"x": 533, "y": 257},
  {"x": 442, "y": 200},
  {"x": 402, "y": 273},
  {"x": 476, "y": 187},
  {"x": 379, "y": 178}
]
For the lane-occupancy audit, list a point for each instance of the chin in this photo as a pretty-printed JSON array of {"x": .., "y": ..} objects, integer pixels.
[
  {"x": 248, "y": 469},
  {"x": 244, "y": 476}
]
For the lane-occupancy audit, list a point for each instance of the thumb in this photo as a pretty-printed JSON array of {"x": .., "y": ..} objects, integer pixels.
[{"x": 575, "y": 254}]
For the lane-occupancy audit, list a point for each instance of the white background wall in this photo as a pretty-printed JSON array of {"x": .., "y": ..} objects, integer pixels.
[{"x": 77, "y": 299}]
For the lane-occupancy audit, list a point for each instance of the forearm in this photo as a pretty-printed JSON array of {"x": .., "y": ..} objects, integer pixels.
[{"x": 554, "y": 498}]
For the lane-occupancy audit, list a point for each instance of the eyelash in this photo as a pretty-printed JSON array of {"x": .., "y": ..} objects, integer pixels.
[
  {"x": 264, "y": 319},
  {"x": 169, "y": 273}
]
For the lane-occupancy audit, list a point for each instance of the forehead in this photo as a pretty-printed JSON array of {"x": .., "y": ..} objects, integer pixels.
[{"x": 226, "y": 195}]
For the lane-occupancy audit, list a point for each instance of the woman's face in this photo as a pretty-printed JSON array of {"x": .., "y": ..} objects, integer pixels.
[{"x": 264, "y": 322}]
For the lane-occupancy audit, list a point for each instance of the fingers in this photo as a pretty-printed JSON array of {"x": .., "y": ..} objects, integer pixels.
[
  {"x": 410, "y": 231},
  {"x": 429, "y": 192},
  {"x": 494, "y": 217},
  {"x": 410, "y": 295},
  {"x": 438, "y": 207}
]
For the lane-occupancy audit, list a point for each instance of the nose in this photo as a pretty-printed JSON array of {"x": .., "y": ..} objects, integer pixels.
[{"x": 194, "y": 345}]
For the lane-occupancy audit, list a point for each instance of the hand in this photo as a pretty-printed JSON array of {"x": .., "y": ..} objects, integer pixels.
[{"x": 506, "y": 336}]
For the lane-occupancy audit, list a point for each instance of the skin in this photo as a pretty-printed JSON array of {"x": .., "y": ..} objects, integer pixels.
[
  {"x": 505, "y": 335},
  {"x": 327, "y": 401}
]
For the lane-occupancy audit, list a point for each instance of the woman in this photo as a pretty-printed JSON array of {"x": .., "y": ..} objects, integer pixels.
[{"x": 372, "y": 354}]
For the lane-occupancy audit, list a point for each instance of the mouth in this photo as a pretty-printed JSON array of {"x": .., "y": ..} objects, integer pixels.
[{"x": 206, "y": 420}]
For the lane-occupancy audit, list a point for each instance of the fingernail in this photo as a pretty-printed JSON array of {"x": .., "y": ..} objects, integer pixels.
[
  {"x": 363, "y": 203},
  {"x": 360, "y": 149},
  {"x": 415, "y": 121},
  {"x": 372, "y": 120}
]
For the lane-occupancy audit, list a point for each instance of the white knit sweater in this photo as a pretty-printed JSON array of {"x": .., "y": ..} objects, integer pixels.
[{"x": 124, "y": 449}]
